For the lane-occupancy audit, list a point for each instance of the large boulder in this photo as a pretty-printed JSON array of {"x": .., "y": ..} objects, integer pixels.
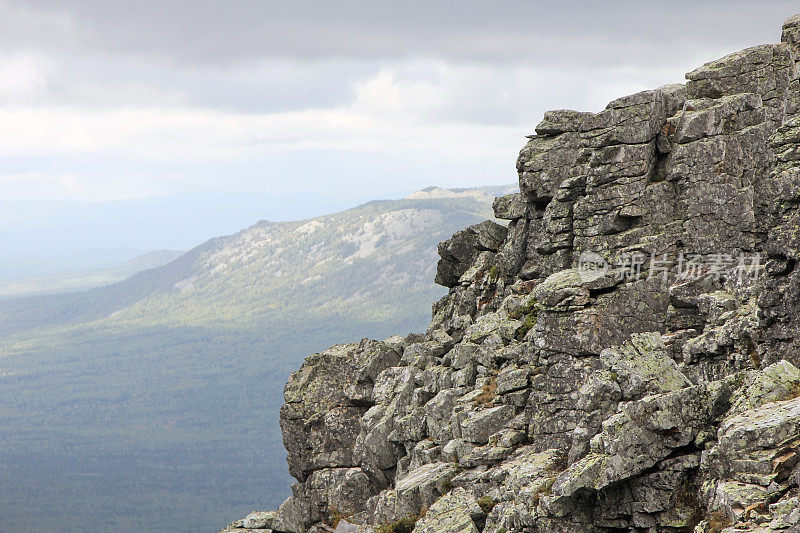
[{"x": 459, "y": 252}]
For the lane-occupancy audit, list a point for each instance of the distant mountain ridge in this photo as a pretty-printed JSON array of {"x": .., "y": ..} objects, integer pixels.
[
  {"x": 46, "y": 237},
  {"x": 372, "y": 230}
]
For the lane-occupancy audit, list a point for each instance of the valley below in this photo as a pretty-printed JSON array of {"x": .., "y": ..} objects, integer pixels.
[{"x": 155, "y": 400}]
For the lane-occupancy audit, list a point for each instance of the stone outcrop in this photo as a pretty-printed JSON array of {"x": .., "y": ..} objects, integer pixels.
[{"x": 621, "y": 357}]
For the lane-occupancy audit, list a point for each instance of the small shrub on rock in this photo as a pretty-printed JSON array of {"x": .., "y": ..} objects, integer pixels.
[
  {"x": 486, "y": 504},
  {"x": 404, "y": 525},
  {"x": 488, "y": 392}
]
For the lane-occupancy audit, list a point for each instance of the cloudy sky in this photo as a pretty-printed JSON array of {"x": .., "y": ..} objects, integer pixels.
[{"x": 113, "y": 99}]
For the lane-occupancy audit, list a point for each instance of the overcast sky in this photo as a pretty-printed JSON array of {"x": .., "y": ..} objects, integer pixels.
[{"x": 112, "y": 99}]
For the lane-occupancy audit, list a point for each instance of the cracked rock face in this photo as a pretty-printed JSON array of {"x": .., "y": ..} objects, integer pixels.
[{"x": 656, "y": 391}]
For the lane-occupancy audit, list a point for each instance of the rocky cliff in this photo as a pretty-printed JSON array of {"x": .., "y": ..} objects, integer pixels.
[{"x": 621, "y": 357}]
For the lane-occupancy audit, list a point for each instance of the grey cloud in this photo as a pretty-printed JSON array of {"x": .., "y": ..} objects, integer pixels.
[
  {"x": 267, "y": 56},
  {"x": 541, "y": 32},
  {"x": 261, "y": 86}
]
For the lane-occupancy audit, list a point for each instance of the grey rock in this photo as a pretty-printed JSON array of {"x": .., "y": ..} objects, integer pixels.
[
  {"x": 458, "y": 253},
  {"x": 345, "y": 527},
  {"x": 482, "y": 424},
  {"x": 416, "y": 491},
  {"x": 455, "y": 512},
  {"x": 706, "y": 118},
  {"x": 510, "y": 207},
  {"x": 512, "y": 379},
  {"x": 325, "y": 401},
  {"x": 765, "y": 70},
  {"x": 257, "y": 520},
  {"x": 642, "y": 366},
  {"x": 293, "y": 515},
  {"x": 562, "y": 121}
]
